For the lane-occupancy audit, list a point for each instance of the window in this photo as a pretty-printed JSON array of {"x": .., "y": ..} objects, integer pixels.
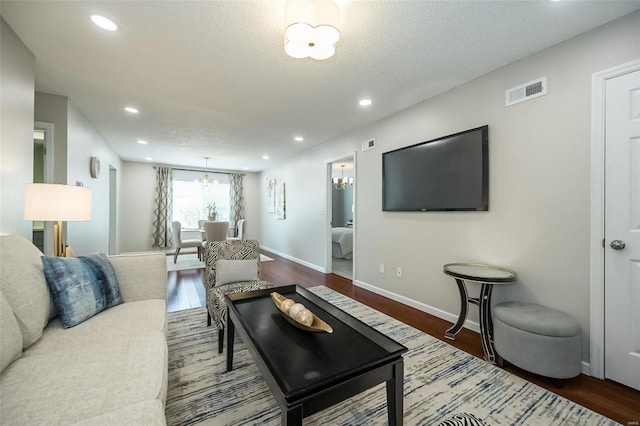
[{"x": 191, "y": 198}]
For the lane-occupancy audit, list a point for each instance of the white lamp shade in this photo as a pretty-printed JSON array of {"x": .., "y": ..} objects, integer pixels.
[{"x": 50, "y": 202}]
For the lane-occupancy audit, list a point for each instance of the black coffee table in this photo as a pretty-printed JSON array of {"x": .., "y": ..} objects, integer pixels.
[{"x": 308, "y": 372}]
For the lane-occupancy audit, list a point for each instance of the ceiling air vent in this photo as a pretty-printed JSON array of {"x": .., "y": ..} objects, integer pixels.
[
  {"x": 368, "y": 144},
  {"x": 526, "y": 91}
]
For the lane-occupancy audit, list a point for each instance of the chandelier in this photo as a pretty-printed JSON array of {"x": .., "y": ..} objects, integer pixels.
[
  {"x": 341, "y": 183},
  {"x": 205, "y": 181}
]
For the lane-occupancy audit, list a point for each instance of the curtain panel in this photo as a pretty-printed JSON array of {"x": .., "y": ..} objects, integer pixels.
[
  {"x": 163, "y": 205},
  {"x": 237, "y": 202}
]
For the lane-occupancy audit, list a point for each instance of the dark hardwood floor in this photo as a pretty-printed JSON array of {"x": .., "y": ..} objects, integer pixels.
[
  {"x": 186, "y": 290},
  {"x": 608, "y": 398}
]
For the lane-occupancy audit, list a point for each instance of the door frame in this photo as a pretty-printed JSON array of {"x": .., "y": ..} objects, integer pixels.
[
  {"x": 113, "y": 210},
  {"x": 329, "y": 212},
  {"x": 597, "y": 249},
  {"x": 47, "y": 128}
]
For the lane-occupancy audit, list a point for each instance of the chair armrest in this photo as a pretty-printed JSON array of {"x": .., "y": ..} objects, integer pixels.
[{"x": 141, "y": 276}]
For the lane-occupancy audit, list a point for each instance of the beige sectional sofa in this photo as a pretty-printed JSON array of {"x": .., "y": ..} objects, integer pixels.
[{"x": 110, "y": 369}]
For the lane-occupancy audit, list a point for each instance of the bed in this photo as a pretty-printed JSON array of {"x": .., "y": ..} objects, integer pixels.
[{"x": 342, "y": 242}]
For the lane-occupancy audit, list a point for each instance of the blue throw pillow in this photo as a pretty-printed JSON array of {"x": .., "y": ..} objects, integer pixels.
[{"x": 81, "y": 286}]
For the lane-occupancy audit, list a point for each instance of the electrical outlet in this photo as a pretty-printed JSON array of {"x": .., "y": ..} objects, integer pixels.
[
  {"x": 399, "y": 272},
  {"x": 382, "y": 268}
]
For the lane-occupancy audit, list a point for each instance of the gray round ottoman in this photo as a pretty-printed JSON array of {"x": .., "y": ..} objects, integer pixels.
[{"x": 538, "y": 339}]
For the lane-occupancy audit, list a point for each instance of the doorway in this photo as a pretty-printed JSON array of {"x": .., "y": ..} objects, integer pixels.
[
  {"x": 42, "y": 232},
  {"x": 615, "y": 258},
  {"x": 341, "y": 210}
]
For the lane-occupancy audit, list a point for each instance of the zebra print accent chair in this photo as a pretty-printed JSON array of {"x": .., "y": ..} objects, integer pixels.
[
  {"x": 228, "y": 250},
  {"x": 463, "y": 419}
]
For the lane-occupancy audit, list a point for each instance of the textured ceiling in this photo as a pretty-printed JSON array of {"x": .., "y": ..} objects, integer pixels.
[{"x": 211, "y": 77}]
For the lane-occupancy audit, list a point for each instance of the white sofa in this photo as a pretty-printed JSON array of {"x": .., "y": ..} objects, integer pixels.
[{"x": 109, "y": 370}]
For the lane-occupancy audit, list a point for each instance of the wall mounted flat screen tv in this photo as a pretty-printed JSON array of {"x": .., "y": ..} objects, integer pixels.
[{"x": 450, "y": 173}]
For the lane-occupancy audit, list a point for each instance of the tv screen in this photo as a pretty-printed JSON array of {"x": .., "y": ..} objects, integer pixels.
[{"x": 445, "y": 174}]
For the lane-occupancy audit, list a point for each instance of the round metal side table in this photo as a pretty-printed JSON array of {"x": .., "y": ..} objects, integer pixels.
[{"x": 487, "y": 276}]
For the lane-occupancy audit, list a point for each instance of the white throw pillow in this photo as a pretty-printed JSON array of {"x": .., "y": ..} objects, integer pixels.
[{"x": 231, "y": 271}]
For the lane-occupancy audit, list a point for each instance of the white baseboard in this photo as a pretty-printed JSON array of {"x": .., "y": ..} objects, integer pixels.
[
  {"x": 471, "y": 325},
  {"x": 436, "y": 312},
  {"x": 447, "y": 316},
  {"x": 294, "y": 259}
]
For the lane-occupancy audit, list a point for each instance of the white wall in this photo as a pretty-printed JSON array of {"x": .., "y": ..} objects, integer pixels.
[
  {"x": 17, "y": 68},
  {"x": 137, "y": 193},
  {"x": 301, "y": 236},
  {"x": 538, "y": 218},
  {"x": 75, "y": 141},
  {"x": 53, "y": 109},
  {"x": 84, "y": 142},
  {"x": 136, "y": 197}
]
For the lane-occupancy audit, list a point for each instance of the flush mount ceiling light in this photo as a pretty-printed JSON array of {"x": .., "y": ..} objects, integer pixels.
[
  {"x": 365, "y": 102},
  {"x": 311, "y": 28},
  {"x": 131, "y": 110},
  {"x": 298, "y": 138},
  {"x": 104, "y": 23},
  {"x": 141, "y": 142}
]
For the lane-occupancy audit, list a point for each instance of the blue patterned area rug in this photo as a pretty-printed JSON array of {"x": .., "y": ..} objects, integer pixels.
[{"x": 441, "y": 383}]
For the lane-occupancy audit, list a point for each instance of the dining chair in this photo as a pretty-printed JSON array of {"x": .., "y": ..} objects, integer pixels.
[
  {"x": 214, "y": 231},
  {"x": 203, "y": 236},
  {"x": 179, "y": 243},
  {"x": 242, "y": 225}
]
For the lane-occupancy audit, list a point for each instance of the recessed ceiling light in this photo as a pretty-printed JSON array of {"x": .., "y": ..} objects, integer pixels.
[
  {"x": 132, "y": 110},
  {"x": 104, "y": 23},
  {"x": 141, "y": 142},
  {"x": 265, "y": 157},
  {"x": 299, "y": 138},
  {"x": 148, "y": 158},
  {"x": 365, "y": 102}
]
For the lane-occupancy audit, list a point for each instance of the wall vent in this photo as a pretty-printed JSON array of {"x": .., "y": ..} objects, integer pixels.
[
  {"x": 368, "y": 144},
  {"x": 526, "y": 91}
]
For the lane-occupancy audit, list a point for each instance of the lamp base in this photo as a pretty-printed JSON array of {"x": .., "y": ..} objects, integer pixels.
[{"x": 60, "y": 249}]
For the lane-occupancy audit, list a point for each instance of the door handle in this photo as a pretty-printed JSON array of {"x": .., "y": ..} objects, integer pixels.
[{"x": 617, "y": 244}]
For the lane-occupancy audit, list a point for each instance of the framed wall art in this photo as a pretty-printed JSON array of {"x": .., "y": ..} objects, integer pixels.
[
  {"x": 271, "y": 195},
  {"x": 281, "y": 204}
]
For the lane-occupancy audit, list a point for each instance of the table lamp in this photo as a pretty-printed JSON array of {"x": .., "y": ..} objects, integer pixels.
[{"x": 57, "y": 203}]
